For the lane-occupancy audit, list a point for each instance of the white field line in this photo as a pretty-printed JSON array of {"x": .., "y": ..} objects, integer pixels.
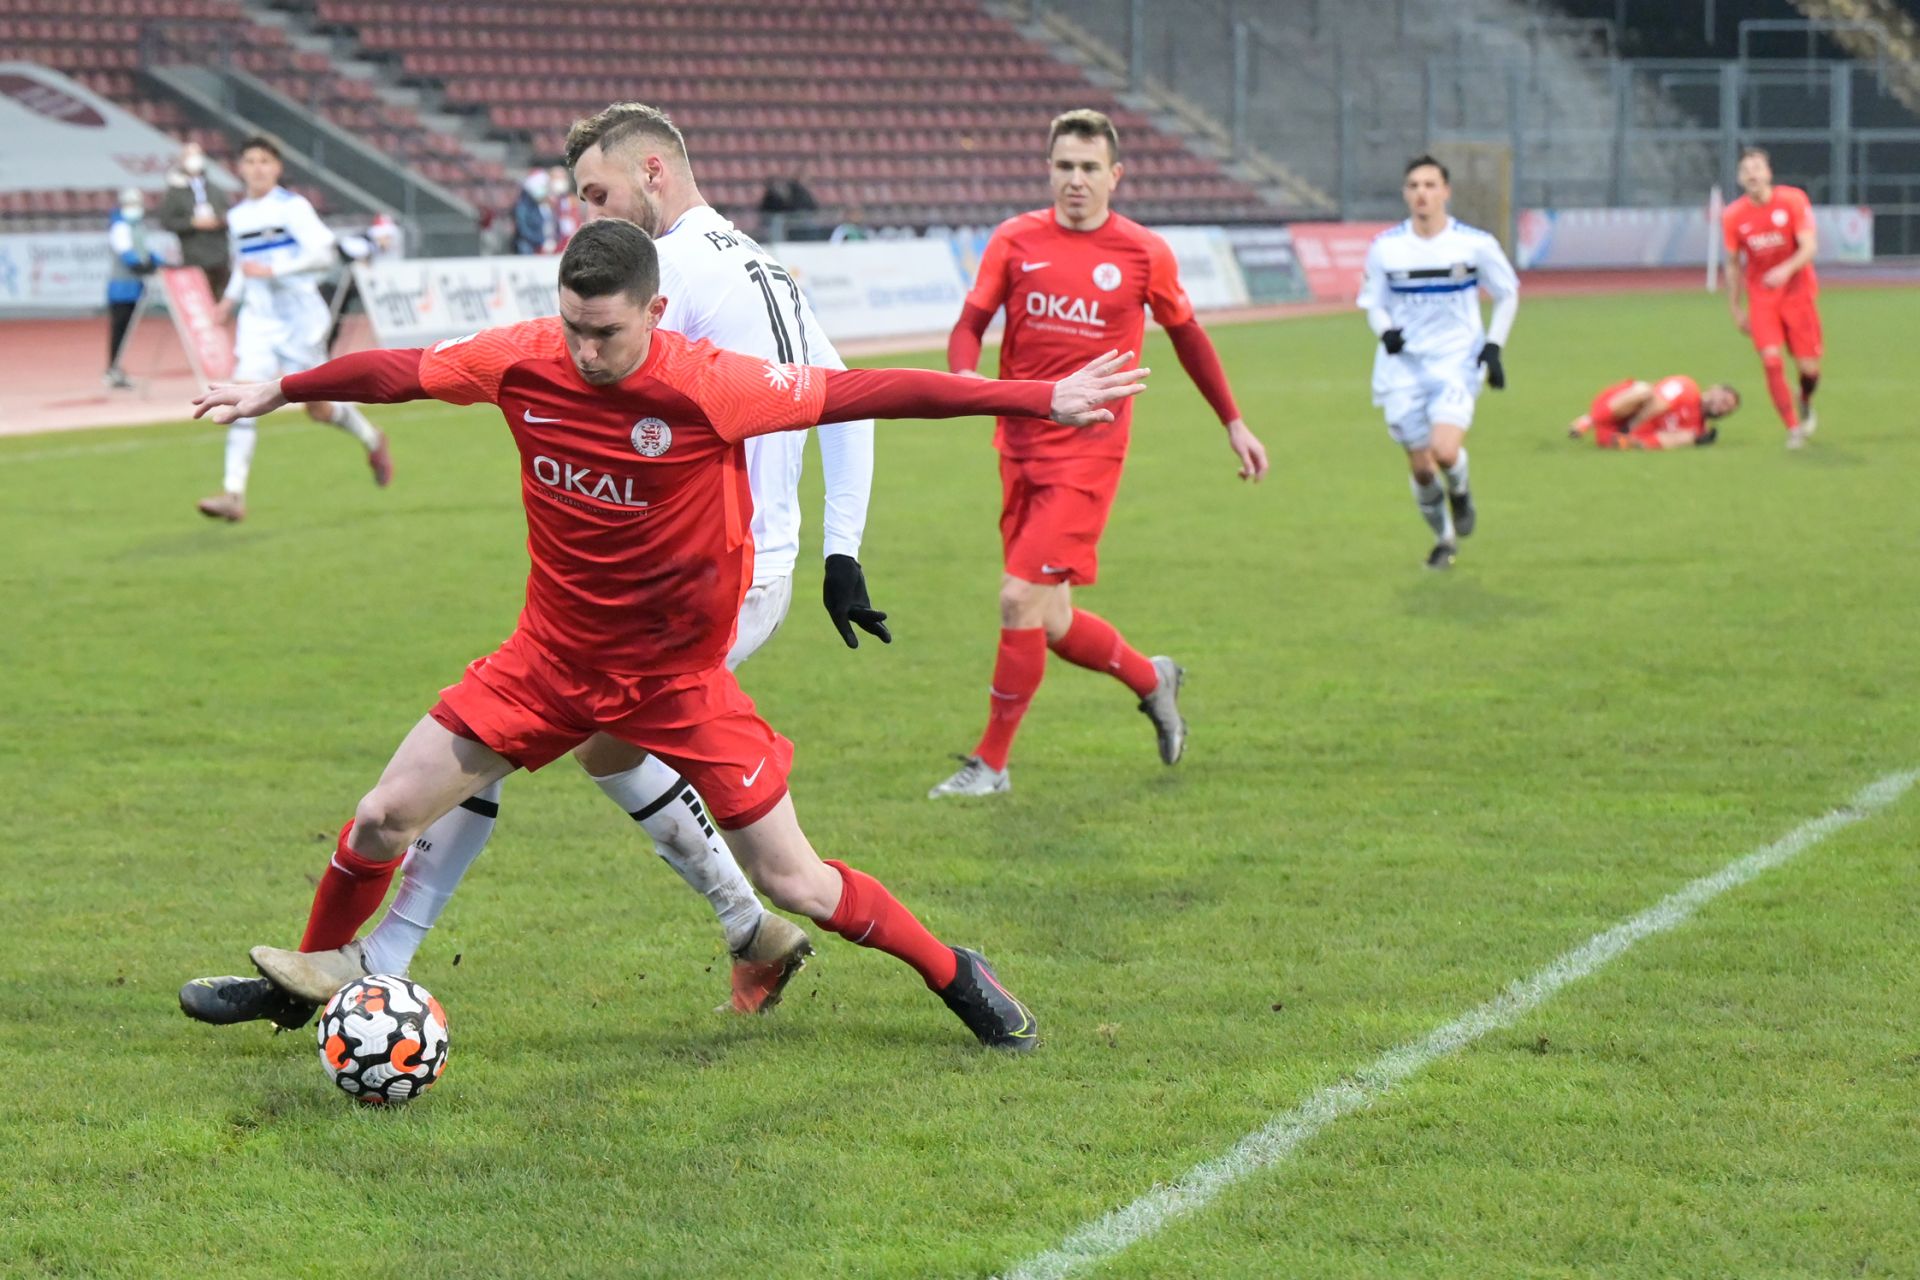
[{"x": 1280, "y": 1137}]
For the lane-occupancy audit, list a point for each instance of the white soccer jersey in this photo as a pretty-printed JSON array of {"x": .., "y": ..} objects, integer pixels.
[
  {"x": 722, "y": 286},
  {"x": 1429, "y": 289},
  {"x": 282, "y": 316}
]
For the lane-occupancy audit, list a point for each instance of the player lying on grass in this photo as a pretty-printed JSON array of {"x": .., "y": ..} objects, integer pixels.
[
  {"x": 1673, "y": 413},
  {"x": 638, "y": 515}
]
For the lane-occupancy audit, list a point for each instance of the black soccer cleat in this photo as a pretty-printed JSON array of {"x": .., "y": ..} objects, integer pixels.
[
  {"x": 1464, "y": 515},
  {"x": 996, "y": 1018},
  {"x": 223, "y": 1001},
  {"x": 1441, "y": 557}
]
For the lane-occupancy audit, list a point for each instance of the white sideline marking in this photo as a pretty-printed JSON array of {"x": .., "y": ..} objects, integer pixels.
[{"x": 1281, "y": 1136}]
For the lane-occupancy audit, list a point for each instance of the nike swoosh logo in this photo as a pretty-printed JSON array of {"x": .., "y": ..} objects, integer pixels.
[
  {"x": 1035, "y": 266},
  {"x": 748, "y": 779},
  {"x": 1047, "y": 568},
  {"x": 531, "y": 417}
]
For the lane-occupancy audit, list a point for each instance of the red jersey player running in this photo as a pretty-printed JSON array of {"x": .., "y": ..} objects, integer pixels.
[
  {"x": 1075, "y": 278},
  {"x": 638, "y": 528},
  {"x": 1771, "y": 227},
  {"x": 1672, "y": 413}
]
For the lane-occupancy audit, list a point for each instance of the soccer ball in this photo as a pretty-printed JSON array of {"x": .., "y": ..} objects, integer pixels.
[{"x": 383, "y": 1039}]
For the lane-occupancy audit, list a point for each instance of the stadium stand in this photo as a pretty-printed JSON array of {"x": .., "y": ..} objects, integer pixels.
[
  {"x": 104, "y": 44},
  {"x": 909, "y": 111}
]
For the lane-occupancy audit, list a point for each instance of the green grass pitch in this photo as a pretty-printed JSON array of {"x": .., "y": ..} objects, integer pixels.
[{"x": 1403, "y": 791}]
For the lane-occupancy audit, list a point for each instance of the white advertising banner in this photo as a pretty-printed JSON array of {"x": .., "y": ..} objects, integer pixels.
[
  {"x": 1207, "y": 266},
  {"x": 415, "y": 302},
  {"x": 1552, "y": 238},
  {"x": 878, "y": 288},
  {"x": 58, "y": 135},
  {"x": 55, "y": 270}
]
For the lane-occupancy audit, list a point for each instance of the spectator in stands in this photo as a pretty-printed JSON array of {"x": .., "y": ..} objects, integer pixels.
[
  {"x": 853, "y": 226},
  {"x": 566, "y": 207},
  {"x": 133, "y": 260},
  {"x": 533, "y": 216},
  {"x": 783, "y": 198},
  {"x": 196, "y": 211}
]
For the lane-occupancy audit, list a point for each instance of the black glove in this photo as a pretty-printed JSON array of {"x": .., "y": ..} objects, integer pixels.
[
  {"x": 1490, "y": 357},
  {"x": 1393, "y": 340},
  {"x": 845, "y": 595},
  {"x": 1706, "y": 437}
]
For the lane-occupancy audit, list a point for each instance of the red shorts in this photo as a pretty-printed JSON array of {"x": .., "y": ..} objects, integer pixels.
[
  {"x": 1052, "y": 512},
  {"x": 532, "y": 707},
  {"x": 1792, "y": 321}
]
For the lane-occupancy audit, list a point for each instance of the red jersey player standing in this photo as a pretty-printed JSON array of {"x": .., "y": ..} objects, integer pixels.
[
  {"x": 638, "y": 516},
  {"x": 1771, "y": 227},
  {"x": 1074, "y": 278}
]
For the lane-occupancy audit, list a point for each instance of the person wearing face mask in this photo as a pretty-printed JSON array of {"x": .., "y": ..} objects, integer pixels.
[
  {"x": 565, "y": 207},
  {"x": 196, "y": 211},
  {"x": 532, "y": 216},
  {"x": 133, "y": 261}
]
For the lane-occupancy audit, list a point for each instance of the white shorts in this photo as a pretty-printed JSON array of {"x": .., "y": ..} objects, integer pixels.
[
  {"x": 761, "y": 614},
  {"x": 1412, "y": 410},
  {"x": 266, "y": 353}
]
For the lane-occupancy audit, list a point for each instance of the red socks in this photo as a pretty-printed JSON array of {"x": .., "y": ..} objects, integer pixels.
[
  {"x": 1091, "y": 642},
  {"x": 871, "y": 917},
  {"x": 1016, "y": 678},
  {"x": 1777, "y": 388},
  {"x": 349, "y": 893}
]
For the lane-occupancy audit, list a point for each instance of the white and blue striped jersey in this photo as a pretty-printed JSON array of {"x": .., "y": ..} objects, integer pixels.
[
  {"x": 722, "y": 286},
  {"x": 281, "y": 230},
  {"x": 1428, "y": 287}
]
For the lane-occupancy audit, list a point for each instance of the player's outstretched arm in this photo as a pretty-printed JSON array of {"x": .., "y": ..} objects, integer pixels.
[
  {"x": 365, "y": 377},
  {"x": 1078, "y": 400}
]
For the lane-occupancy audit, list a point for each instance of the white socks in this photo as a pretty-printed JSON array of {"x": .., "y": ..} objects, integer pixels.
[
  {"x": 241, "y": 437},
  {"x": 1457, "y": 475},
  {"x": 1432, "y": 500},
  {"x": 349, "y": 419},
  {"x": 670, "y": 811},
  {"x": 434, "y": 866}
]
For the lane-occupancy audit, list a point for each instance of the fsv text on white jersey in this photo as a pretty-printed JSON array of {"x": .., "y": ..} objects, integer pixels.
[
  {"x": 281, "y": 231},
  {"x": 722, "y": 286},
  {"x": 1429, "y": 289}
]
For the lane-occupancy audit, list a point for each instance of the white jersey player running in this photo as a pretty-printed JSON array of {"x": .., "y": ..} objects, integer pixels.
[
  {"x": 630, "y": 161},
  {"x": 283, "y": 251},
  {"x": 1421, "y": 293}
]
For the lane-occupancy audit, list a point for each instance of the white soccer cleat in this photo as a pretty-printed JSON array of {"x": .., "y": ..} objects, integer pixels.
[
  {"x": 311, "y": 975},
  {"x": 975, "y": 777},
  {"x": 1797, "y": 436},
  {"x": 1162, "y": 706}
]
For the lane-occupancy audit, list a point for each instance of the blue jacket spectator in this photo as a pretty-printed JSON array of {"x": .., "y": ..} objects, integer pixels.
[{"x": 132, "y": 262}]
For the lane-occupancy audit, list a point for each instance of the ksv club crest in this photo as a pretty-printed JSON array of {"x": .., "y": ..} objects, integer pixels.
[
  {"x": 1107, "y": 276},
  {"x": 652, "y": 437}
]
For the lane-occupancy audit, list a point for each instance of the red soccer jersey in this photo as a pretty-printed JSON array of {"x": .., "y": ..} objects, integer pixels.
[
  {"x": 1768, "y": 234},
  {"x": 1072, "y": 296},
  {"x": 1683, "y": 412},
  {"x": 638, "y": 510}
]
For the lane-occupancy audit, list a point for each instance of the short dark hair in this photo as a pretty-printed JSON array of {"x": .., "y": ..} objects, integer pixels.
[
  {"x": 1421, "y": 162},
  {"x": 619, "y": 122},
  {"x": 1731, "y": 390},
  {"x": 263, "y": 142},
  {"x": 1749, "y": 151},
  {"x": 1085, "y": 123},
  {"x": 608, "y": 256}
]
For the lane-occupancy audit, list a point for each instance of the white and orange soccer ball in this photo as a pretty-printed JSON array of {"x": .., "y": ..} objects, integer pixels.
[{"x": 383, "y": 1039}]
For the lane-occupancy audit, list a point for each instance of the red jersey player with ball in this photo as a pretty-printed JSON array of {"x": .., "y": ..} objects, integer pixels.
[
  {"x": 1771, "y": 228},
  {"x": 634, "y": 481},
  {"x": 1075, "y": 278}
]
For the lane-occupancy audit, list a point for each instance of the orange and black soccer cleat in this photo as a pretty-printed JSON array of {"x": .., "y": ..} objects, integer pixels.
[{"x": 762, "y": 968}]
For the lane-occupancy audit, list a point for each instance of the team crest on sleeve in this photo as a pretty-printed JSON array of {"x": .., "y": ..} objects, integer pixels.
[
  {"x": 652, "y": 437},
  {"x": 779, "y": 376},
  {"x": 1107, "y": 276}
]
